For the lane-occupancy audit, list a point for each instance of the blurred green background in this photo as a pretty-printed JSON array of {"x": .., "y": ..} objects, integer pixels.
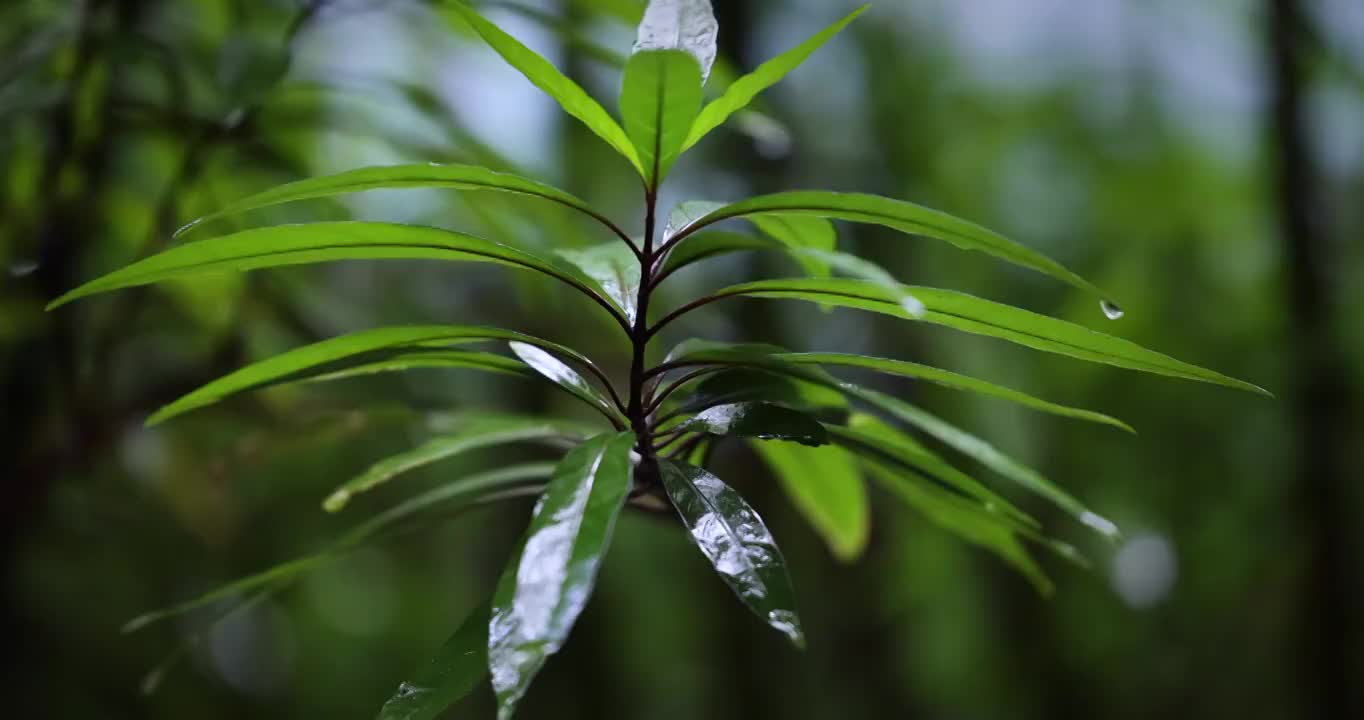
[{"x": 1203, "y": 161}]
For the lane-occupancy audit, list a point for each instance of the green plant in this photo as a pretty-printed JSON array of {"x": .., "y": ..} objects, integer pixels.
[{"x": 669, "y": 415}]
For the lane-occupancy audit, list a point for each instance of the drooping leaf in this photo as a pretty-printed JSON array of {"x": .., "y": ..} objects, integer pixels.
[
  {"x": 733, "y": 537},
  {"x": 572, "y": 98},
  {"x": 742, "y": 91},
  {"x": 377, "y": 350},
  {"x": 567, "y": 378},
  {"x": 660, "y": 96},
  {"x": 459, "y": 665},
  {"x": 429, "y": 359},
  {"x": 556, "y": 570},
  {"x": 826, "y": 486},
  {"x": 898, "y": 215},
  {"x": 983, "y": 317},
  {"x": 286, "y": 245},
  {"x": 451, "y": 497},
  {"x": 615, "y": 269},
  {"x": 472, "y": 434},
  {"x": 952, "y": 380},
  {"x": 763, "y": 421},
  {"x": 685, "y": 25},
  {"x": 430, "y": 175}
]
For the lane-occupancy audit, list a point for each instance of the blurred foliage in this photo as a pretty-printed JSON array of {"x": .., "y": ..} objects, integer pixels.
[{"x": 1133, "y": 142}]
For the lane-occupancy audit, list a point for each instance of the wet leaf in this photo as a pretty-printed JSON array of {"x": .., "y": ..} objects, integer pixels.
[
  {"x": 615, "y": 269},
  {"x": 763, "y": 421},
  {"x": 825, "y": 484},
  {"x": 458, "y": 667},
  {"x": 567, "y": 378},
  {"x": 685, "y": 25}
]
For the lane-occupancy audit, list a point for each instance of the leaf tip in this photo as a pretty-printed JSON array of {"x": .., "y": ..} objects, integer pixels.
[
  {"x": 136, "y": 624},
  {"x": 188, "y": 226},
  {"x": 336, "y": 501}
]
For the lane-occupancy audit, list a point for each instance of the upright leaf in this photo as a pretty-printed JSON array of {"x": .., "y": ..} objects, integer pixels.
[
  {"x": 572, "y": 98},
  {"x": 566, "y": 378},
  {"x": 687, "y": 25},
  {"x": 763, "y": 421},
  {"x": 568, "y": 535},
  {"x": 454, "y": 672},
  {"x": 826, "y": 486},
  {"x": 742, "y": 91},
  {"x": 732, "y": 536},
  {"x": 660, "y": 96}
]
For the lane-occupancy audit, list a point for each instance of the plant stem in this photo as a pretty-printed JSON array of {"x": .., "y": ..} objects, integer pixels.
[{"x": 637, "y": 410}]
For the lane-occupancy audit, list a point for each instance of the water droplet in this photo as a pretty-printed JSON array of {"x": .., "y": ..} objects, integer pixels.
[
  {"x": 1111, "y": 309},
  {"x": 913, "y": 306},
  {"x": 23, "y": 268},
  {"x": 760, "y": 554},
  {"x": 1102, "y": 524}
]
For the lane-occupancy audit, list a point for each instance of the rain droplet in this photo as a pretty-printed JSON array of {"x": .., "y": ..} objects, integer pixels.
[
  {"x": 1111, "y": 309},
  {"x": 760, "y": 554},
  {"x": 1102, "y": 524},
  {"x": 23, "y": 268}
]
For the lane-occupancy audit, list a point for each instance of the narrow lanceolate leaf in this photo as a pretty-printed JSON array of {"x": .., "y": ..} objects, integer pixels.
[
  {"x": 474, "y": 433},
  {"x": 459, "y": 665},
  {"x": 742, "y": 91},
  {"x": 801, "y": 232},
  {"x": 615, "y": 269},
  {"x": 567, "y": 378},
  {"x": 660, "y": 96},
  {"x": 686, "y": 25},
  {"x": 286, "y": 245},
  {"x": 455, "y": 177},
  {"x": 949, "y": 379},
  {"x": 568, "y": 535},
  {"x": 732, "y": 536},
  {"x": 826, "y": 486},
  {"x": 898, "y": 215},
  {"x": 377, "y": 350},
  {"x": 983, "y": 317},
  {"x": 760, "y": 420},
  {"x": 572, "y": 98}
]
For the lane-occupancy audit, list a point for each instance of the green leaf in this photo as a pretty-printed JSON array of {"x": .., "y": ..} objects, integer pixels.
[
  {"x": 573, "y": 99},
  {"x": 455, "y": 496},
  {"x": 459, "y": 665},
  {"x": 472, "y": 434},
  {"x": 951, "y": 380},
  {"x": 742, "y": 91},
  {"x": 660, "y": 96},
  {"x": 421, "y": 359},
  {"x": 323, "y": 242},
  {"x": 684, "y": 25},
  {"x": 763, "y": 421},
  {"x": 713, "y": 244},
  {"x": 801, "y": 232},
  {"x": 367, "y": 351},
  {"x": 686, "y": 213},
  {"x": 826, "y": 486},
  {"x": 456, "y": 177},
  {"x": 983, "y": 317},
  {"x": 568, "y": 379},
  {"x": 898, "y": 215},
  {"x": 733, "y": 537},
  {"x": 568, "y": 534},
  {"x": 616, "y": 270}
]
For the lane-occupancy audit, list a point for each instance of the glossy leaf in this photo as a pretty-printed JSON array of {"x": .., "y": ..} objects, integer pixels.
[
  {"x": 686, "y": 213},
  {"x": 458, "y": 667},
  {"x": 733, "y": 537},
  {"x": 983, "y": 317},
  {"x": 615, "y": 269},
  {"x": 426, "y": 359},
  {"x": 713, "y": 244},
  {"x": 801, "y": 232},
  {"x": 660, "y": 96},
  {"x": 742, "y": 91},
  {"x": 377, "y": 350},
  {"x": 825, "y": 484},
  {"x": 568, "y": 535},
  {"x": 763, "y": 421},
  {"x": 473, "y": 433},
  {"x": 566, "y": 377},
  {"x": 685, "y": 25},
  {"x": 572, "y": 98},
  {"x": 427, "y": 175},
  {"x": 898, "y": 215},
  {"x": 286, "y": 245},
  {"x": 945, "y": 378}
]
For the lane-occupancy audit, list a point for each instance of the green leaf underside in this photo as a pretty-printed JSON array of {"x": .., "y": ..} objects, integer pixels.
[
  {"x": 473, "y": 433},
  {"x": 565, "y": 377},
  {"x": 453, "y": 176},
  {"x": 572, "y": 98},
  {"x": 733, "y": 537},
  {"x": 801, "y": 232},
  {"x": 660, "y": 96},
  {"x": 366, "y": 351},
  {"x": 451, "y": 497},
  {"x": 616, "y": 271},
  {"x": 742, "y": 91},
  {"x": 285, "y": 245},
  {"x": 898, "y": 215},
  {"x": 457, "y": 668},
  {"x": 983, "y": 317},
  {"x": 825, "y": 484},
  {"x": 759, "y": 420},
  {"x": 568, "y": 535}
]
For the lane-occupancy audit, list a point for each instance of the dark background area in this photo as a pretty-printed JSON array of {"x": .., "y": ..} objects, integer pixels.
[{"x": 1203, "y": 161}]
